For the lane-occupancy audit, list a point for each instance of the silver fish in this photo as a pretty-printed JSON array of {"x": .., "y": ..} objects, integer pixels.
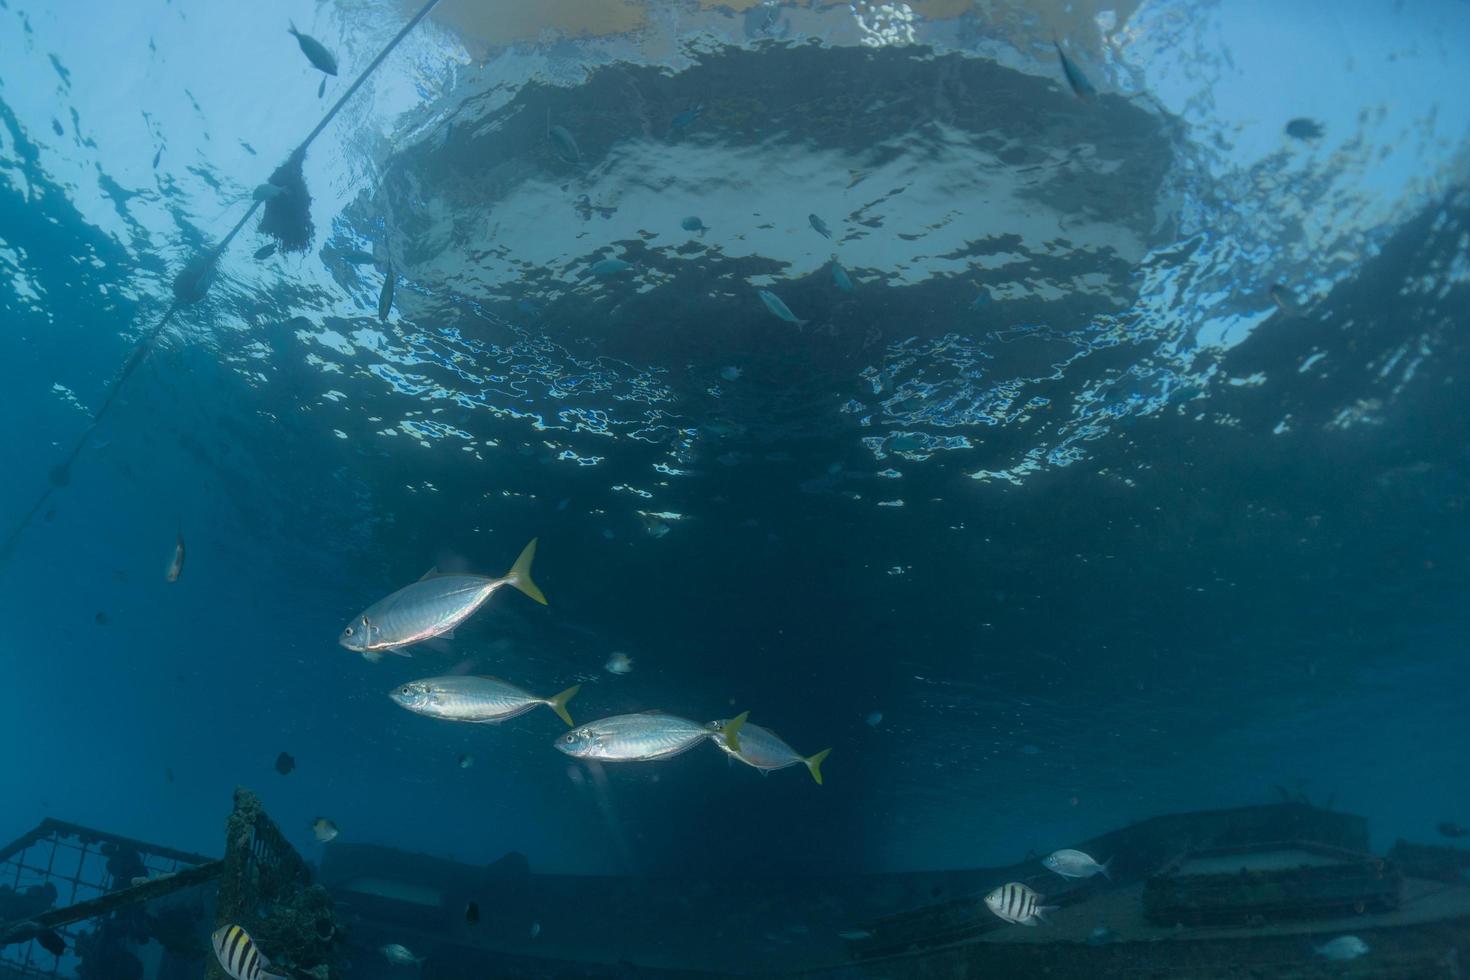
[
  {"x": 841, "y": 278},
  {"x": 564, "y": 143},
  {"x": 432, "y": 606},
  {"x": 324, "y": 830},
  {"x": 1080, "y": 85},
  {"x": 482, "y": 700},
  {"x": 761, "y": 748},
  {"x": 239, "y": 957},
  {"x": 385, "y": 295},
  {"x": 642, "y": 737},
  {"x": 1343, "y": 948},
  {"x": 316, "y": 52},
  {"x": 1014, "y": 902},
  {"x": 176, "y": 563},
  {"x": 400, "y": 955},
  {"x": 774, "y": 304},
  {"x": 819, "y": 226},
  {"x": 618, "y": 663},
  {"x": 1075, "y": 864}
]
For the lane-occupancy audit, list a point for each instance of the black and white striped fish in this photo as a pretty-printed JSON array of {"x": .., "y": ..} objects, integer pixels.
[
  {"x": 1016, "y": 903},
  {"x": 238, "y": 955}
]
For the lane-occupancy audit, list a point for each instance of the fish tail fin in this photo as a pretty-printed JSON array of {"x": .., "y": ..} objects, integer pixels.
[
  {"x": 558, "y": 703},
  {"x": 732, "y": 730},
  {"x": 520, "y": 573},
  {"x": 814, "y": 764},
  {"x": 1104, "y": 869},
  {"x": 1041, "y": 911},
  {"x": 292, "y": 29}
]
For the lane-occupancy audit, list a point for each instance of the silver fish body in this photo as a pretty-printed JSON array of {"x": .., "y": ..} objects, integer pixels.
[
  {"x": 774, "y": 304},
  {"x": 479, "y": 700},
  {"x": 1074, "y": 864},
  {"x": 238, "y": 955},
  {"x": 636, "y": 738},
  {"x": 432, "y": 606},
  {"x": 841, "y": 278},
  {"x": 385, "y": 295},
  {"x": 1014, "y": 902},
  {"x": 1343, "y": 948},
  {"x": 176, "y": 563},
  {"x": 564, "y": 143},
  {"x": 1081, "y": 87},
  {"x": 400, "y": 955},
  {"x": 760, "y": 748}
]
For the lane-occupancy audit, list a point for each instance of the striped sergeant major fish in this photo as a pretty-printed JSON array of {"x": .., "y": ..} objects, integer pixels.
[
  {"x": 1014, "y": 902},
  {"x": 239, "y": 956}
]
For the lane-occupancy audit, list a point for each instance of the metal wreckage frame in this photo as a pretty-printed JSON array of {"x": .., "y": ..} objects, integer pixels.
[{"x": 133, "y": 909}]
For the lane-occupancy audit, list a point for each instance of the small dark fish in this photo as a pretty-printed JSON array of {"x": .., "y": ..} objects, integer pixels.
[
  {"x": 564, "y": 144},
  {"x": 284, "y": 763},
  {"x": 1281, "y": 296},
  {"x": 56, "y": 125},
  {"x": 693, "y": 223},
  {"x": 100, "y": 619},
  {"x": 1304, "y": 129},
  {"x": 686, "y": 118},
  {"x": 316, "y": 52},
  {"x": 472, "y": 913},
  {"x": 1081, "y": 87},
  {"x": 385, "y": 297},
  {"x": 265, "y": 251},
  {"x": 322, "y": 88},
  {"x": 157, "y": 157},
  {"x": 1453, "y": 830},
  {"x": 360, "y": 258},
  {"x": 819, "y": 225},
  {"x": 176, "y": 563}
]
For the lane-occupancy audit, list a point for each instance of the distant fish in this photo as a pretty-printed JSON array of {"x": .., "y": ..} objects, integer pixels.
[
  {"x": 324, "y": 830},
  {"x": 465, "y": 761},
  {"x": 321, "y": 89},
  {"x": 774, "y": 304},
  {"x": 176, "y": 563},
  {"x": 619, "y": 663},
  {"x": 265, "y": 252},
  {"x": 359, "y": 257},
  {"x": 841, "y": 278},
  {"x": 982, "y": 298},
  {"x": 535, "y": 929},
  {"x": 731, "y": 373},
  {"x": 472, "y": 913},
  {"x": 528, "y": 307},
  {"x": 564, "y": 144},
  {"x": 316, "y": 52},
  {"x": 385, "y": 295},
  {"x": 1074, "y": 864},
  {"x": 1101, "y": 936},
  {"x": 685, "y": 119},
  {"x": 853, "y": 935},
  {"x": 157, "y": 157},
  {"x": 267, "y": 191},
  {"x": 693, "y": 223},
  {"x": 238, "y": 956},
  {"x": 1452, "y": 829},
  {"x": 1304, "y": 129},
  {"x": 432, "y": 606},
  {"x": 284, "y": 763},
  {"x": 642, "y": 737},
  {"x": 1014, "y": 902},
  {"x": 819, "y": 225},
  {"x": 100, "y": 619},
  {"x": 1080, "y": 85},
  {"x": 400, "y": 955},
  {"x": 874, "y": 719},
  {"x": 480, "y": 700},
  {"x": 607, "y": 268},
  {"x": 1282, "y": 297},
  {"x": 760, "y": 748},
  {"x": 1343, "y": 948}
]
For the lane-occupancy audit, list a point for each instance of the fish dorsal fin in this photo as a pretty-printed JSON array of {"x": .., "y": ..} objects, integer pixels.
[{"x": 433, "y": 572}]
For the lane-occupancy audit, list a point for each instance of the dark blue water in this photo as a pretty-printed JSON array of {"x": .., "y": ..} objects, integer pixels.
[{"x": 1052, "y": 522}]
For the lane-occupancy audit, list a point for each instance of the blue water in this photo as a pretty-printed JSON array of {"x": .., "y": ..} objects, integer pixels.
[{"x": 1054, "y": 521}]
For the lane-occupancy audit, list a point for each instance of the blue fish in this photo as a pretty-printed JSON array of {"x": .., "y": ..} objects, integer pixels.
[
  {"x": 316, "y": 52},
  {"x": 694, "y": 224},
  {"x": 774, "y": 304},
  {"x": 564, "y": 144},
  {"x": 686, "y": 118},
  {"x": 1080, "y": 85},
  {"x": 819, "y": 225},
  {"x": 840, "y": 277},
  {"x": 265, "y": 252},
  {"x": 981, "y": 300},
  {"x": 610, "y": 267}
]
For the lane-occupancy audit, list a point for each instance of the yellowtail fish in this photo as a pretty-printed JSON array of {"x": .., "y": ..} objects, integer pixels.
[
  {"x": 1081, "y": 87},
  {"x": 643, "y": 737},
  {"x": 482, "y": 700},
  {"x": 1016, "y": 903},
  {"x": 760, "y": 748},
  {"x": 239, "y": 957},
  {"x": 1074, "y": 864},
  {"x": 432, "y": 606},
  {"x": 176, "y": 563}
]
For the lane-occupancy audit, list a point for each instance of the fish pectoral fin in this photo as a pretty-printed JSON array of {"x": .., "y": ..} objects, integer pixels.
[
  {"x": 372, "y": 656},
  {"x": 430, "y": 573},
  {"x": 398, "y": 652}
]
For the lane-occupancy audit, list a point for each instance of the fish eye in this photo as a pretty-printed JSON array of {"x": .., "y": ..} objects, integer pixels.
[{"x": 347, "y": 631}]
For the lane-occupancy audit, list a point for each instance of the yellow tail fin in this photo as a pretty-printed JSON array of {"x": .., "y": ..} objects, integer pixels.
[
  {"x": 732, "y": 730},
  {"x": 558, "y": 703},
  {"x": 814, "y": 763},
  {"x": 520, "y": 573}
]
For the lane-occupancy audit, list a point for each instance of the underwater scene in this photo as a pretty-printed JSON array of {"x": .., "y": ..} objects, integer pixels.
[{"x": 735, "y": 488}]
